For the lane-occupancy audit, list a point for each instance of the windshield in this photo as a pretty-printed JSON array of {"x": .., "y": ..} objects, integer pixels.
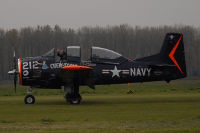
[
  {"x": 50, "y": 53},
  {"x": 103, "y": 53}
]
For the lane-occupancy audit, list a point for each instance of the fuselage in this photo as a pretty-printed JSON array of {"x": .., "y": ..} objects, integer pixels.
[{"x": 46, "y": 72}]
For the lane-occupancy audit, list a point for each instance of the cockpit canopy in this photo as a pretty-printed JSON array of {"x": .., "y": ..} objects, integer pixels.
[
  {"x": 103, "y": 53},
  {"x": 50, "y": 53},
  {"x": 73, "y": 54},
  {"x": 73, "y": 51}
]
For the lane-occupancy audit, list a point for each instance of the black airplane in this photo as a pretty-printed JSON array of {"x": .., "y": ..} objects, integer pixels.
[{"x": 59, "y": 68}]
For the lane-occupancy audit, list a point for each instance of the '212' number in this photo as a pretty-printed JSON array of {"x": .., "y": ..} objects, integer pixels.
[{"x": 29, "y": 65}]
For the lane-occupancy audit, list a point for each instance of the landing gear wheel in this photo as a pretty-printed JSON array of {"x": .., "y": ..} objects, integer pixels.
[
  {"x": 29, "y": 99},
  {"x": 73, "y": 99},
  {"x": 71, "y": 93}
]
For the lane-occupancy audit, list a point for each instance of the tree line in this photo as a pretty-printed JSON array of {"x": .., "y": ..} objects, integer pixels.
[{"x": 132, "y": 42}]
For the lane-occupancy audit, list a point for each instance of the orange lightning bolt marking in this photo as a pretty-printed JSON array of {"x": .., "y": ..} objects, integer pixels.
[{"x": 171, "y": 54}]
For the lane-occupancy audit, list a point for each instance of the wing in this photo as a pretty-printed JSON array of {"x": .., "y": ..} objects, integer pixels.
[
  {"x": 77, "y": 68},
  {"x": 77, "y": 73}
]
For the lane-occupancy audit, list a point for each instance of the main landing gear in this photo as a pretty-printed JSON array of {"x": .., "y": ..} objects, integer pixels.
[
  {"x": 71, "y": 94},
  {"x": 29, "y": 98}
]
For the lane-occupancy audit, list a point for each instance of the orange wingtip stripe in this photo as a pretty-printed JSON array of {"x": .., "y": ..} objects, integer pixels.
[
  {"x": 76, "y": 68},
  {"x": 171, "y": 54}
]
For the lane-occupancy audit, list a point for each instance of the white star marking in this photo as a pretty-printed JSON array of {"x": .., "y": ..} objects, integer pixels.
[{"x": 115, "y": 72}]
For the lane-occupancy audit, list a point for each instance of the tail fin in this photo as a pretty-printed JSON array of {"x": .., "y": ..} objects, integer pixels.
[{"x": 172, "y": 52}]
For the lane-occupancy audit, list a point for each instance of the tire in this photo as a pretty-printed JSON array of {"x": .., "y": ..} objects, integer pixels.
[
  {"x": 75, "y": 101},
  {"x": 29, "y": 99},
  {"x": 70, "y": 98}
]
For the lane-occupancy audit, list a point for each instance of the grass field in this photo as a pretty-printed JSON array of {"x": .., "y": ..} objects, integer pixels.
[{"x": 153, "y": 107}]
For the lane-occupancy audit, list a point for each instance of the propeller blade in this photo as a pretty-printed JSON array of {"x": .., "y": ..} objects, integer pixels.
[
  {"x": 14, "y": 60},
  {"x": 14, "y": 72},
  {"x": 15, "y": 82}
]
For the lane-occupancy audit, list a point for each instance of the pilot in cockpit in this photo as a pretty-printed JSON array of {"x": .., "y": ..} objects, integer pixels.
[{"x": 61, "y": 53}]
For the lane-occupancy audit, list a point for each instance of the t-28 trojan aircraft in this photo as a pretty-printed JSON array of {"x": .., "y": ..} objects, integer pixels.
[{"x": 65, "y": 68}]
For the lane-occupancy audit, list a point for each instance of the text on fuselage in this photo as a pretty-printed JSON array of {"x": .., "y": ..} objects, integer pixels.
[{"x": 140, "y": 71}]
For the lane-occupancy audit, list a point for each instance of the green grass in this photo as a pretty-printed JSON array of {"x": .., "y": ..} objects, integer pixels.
[{"x": 153, "y": 107}]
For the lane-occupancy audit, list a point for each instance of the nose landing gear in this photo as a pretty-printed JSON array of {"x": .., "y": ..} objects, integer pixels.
[{"x": 29, "y": 98}]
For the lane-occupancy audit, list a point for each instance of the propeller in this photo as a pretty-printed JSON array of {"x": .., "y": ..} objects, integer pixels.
[{"x": 14, "y": 72}]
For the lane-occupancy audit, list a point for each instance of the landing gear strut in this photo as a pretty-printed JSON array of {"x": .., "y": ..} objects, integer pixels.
[
  {"x": 29, "y": 98},
  {"x": 72, "y": 95}
]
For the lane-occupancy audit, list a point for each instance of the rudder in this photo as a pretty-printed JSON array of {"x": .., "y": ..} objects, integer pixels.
[{"x": 172, "y": 52}]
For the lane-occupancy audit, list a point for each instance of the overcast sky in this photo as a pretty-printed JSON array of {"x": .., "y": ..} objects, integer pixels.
[{"x": 78, "y": 13}]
